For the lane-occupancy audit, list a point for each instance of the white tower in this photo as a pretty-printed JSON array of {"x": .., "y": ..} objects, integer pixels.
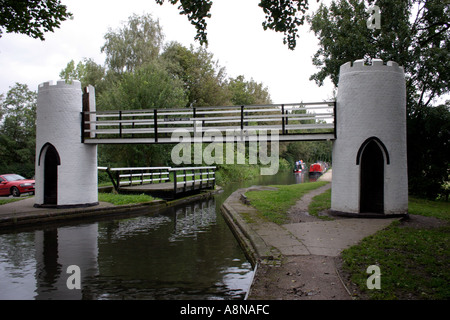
[
  {"x": 369, "y": 154},
  {"x": 66, "y": 169}
]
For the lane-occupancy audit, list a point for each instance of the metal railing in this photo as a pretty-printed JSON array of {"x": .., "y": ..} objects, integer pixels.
[
  {"x": 193, "y": 178},
  {"x": 291, "y": 121},
  {"x": 137, "y": 175},
  {"x": 184, "y": 179}
]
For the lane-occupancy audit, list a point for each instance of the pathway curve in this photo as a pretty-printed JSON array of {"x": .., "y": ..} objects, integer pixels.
[{"x": 296, "y": 260}]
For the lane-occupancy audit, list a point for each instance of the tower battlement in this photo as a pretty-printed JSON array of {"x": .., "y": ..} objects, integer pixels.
[
  {"x": 377, "y": 65},
  {"x": 59, "y": 84}
]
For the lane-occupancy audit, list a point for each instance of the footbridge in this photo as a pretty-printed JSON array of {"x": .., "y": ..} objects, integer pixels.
[{"x": 281, "y": 122}]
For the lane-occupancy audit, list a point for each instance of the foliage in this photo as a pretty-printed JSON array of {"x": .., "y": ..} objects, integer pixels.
[
  {"x": 203, "y": 78},
  {"x": 87, "y": 72},
  {"x": 135, "y": 44},
  {"x": 247, "y": 92},
  {"x": 419, "y": 43},
  {"x": 18, "y": 131},
  {"x": 281, "y": 16},
  {"x": 428, "y": 150},
  {"x": 308, "y": 151},
  {"x": 33, "y": 17},
  {"x": 274, "y": 204},
  {"x": 150, "y": 87},
  {"x": 196, "y": 11}
]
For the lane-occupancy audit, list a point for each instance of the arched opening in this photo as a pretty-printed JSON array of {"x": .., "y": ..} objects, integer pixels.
[
  {"x": 51, "y": 163},
  {"x": 372, "y": 177}
]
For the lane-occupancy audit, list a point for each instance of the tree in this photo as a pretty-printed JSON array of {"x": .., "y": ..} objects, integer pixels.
[
  {"x": 281, "y": 16},
  {"x": 33, "y": 17},
  {"x": 18, "y": 130},
  {"x": 203, "y": 78},
  {"x": 150, "y": 87},
  {"x": 135, "y": 44},
  {"x": 416, "y": 35},
  {"x": 248, "y": 92},
  {"x": 419, "y": 42},
  {"x": 87, "y": 72}
]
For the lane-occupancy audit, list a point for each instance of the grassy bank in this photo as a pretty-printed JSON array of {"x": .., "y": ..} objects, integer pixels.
[
  {"x": 414, "y": 260},
  {"x": 274, "y": 204},
  {"x": 122, "y": 199}
]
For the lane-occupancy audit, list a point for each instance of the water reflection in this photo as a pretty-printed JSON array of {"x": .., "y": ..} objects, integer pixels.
[
  {"x": 182, "y": 253},
  {"x": 185, "y": 252}
]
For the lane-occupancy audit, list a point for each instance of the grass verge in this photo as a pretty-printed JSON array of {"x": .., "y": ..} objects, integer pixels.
[
  {"x": 9, "y": 200},
  {"x": 414, "y": 262},
  {"x": 273, "y": 205},
  {"x": 122, "y": 199},
  {"x": 320, "y": 203}
]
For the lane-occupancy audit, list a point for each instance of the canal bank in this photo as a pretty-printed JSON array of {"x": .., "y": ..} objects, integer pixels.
[
  {"x": 22, "y": 213},
  {"x": 296, "y": 260}
]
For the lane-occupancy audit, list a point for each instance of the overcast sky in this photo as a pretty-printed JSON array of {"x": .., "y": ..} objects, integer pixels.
[{"x": 235, "y": 35}]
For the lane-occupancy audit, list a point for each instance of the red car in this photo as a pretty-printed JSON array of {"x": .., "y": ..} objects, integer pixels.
[{"x": 15, "y": 184}]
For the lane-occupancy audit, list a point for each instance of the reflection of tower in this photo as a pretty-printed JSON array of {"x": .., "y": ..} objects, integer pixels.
[
  {"x": 58, "y": 249},
  {"x": 369, "y": 153},
  {"x": 66, "y": 169}
]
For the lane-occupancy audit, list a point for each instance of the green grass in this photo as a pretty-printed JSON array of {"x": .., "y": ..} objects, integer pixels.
[
  {"x": 437, "y": 209},
  {"x": 414, "y": 262},
  {"x": 273, "y": 205},
  {"x": 122, "y": 199},
  {"x": 320, "y": 203},
  {"x": 9, "y": 200}
]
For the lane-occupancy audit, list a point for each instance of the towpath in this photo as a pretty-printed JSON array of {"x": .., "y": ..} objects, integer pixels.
[{"x": 296, "y": 260}]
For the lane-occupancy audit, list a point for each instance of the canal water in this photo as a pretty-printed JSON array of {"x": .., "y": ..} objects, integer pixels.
[{"x": 185, "y": 252}]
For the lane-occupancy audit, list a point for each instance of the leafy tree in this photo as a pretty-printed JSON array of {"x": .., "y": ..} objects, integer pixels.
[
  {"x": 133, "y": 45},
  {"x": 203, "y": 78},
  {"x": 429, "y": 164},
  {"x": 150, "y": 87},
  {"x": 281, "y": 16},
  {"x": 33, "y": 17},
  {"x": 196, "y": 11},
  {"x": 18, "y": 130},
  {"x": 87, "y": 72},
  {"x": 248, "y": 92},
  {"x": 413, "y": 33}
]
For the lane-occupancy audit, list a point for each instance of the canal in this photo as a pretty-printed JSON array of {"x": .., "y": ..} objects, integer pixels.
[{"x": 184, "y": 252}]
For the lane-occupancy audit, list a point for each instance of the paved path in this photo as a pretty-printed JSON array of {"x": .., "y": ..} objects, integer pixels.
[{"x": 296, "y": 260}]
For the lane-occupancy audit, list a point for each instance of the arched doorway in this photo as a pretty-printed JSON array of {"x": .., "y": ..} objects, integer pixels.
[
  {"x": 371, "y": 161},
  {"x": 51, "y": 163}
]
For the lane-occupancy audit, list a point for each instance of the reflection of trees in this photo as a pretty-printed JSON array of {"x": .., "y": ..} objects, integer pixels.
[
  {"x": 191, "y": 220},
  {"x": 185, "y": 252}
]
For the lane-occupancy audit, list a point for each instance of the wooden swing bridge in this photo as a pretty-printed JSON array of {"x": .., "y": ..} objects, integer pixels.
[{"x": 281, "y": 122}]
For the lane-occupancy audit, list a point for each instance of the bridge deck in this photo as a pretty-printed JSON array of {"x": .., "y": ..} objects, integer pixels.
[
  {"x": 151, "y": 180},
  {"x": 285, "y": 122}
]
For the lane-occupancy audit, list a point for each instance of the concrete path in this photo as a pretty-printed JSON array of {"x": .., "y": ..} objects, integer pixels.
[{"x": 308, "y": 247}]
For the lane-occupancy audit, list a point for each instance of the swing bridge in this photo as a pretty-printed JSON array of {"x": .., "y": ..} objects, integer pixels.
[{"x": 314, "y": 121}]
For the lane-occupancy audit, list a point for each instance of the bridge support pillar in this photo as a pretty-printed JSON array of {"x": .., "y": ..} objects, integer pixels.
[
  {"x": 369, "y": 154},
  {"x": 66, "y": 168}
]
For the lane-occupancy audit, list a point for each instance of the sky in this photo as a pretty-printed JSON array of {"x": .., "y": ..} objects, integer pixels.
[{"x": 235, "y": 35}]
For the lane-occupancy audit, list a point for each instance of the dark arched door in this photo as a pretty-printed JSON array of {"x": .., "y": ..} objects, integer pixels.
[
  {"x": 372, "y": 179},
  {"x": 51, "y": 163}
]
